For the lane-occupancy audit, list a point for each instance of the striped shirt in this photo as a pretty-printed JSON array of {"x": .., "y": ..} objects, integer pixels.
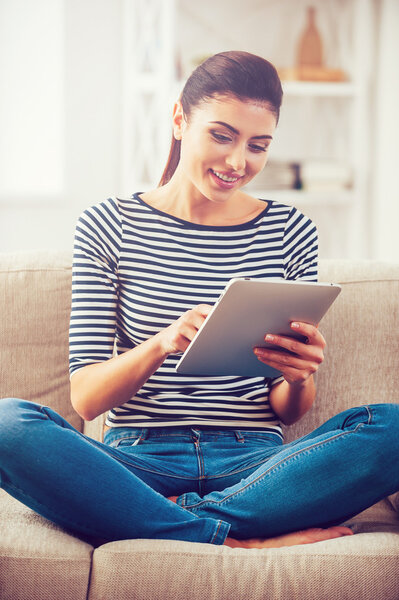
[{"x": 137, "y": 269}]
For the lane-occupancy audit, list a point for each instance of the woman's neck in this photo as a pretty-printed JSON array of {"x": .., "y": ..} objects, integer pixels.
[{"x": 184, "y": 201}]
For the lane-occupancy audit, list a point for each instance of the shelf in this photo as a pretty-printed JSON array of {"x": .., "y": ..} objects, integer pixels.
[
  {"x": 319, "y": 88},
  {"x": 304, "y": 198},
  {"x": 325, "y": 89}
]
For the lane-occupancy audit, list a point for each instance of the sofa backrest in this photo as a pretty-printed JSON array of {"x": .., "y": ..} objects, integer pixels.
[
  {"x": 362, "y": 334},
  {"x": 35, "y": 302},
  {"x": 361, "y": 330}
]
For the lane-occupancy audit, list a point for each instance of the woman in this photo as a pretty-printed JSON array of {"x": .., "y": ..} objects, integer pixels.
[{"x": 195, "y": 458}]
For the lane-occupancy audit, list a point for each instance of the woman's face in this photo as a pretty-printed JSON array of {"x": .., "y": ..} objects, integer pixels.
[{"x": 224, "y": 144}]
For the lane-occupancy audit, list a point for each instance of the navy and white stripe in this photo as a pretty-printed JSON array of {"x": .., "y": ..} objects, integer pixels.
[{"x": 137, "y": 269}]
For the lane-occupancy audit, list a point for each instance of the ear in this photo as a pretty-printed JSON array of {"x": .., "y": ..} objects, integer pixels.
[{"x": 178, "y": 120}]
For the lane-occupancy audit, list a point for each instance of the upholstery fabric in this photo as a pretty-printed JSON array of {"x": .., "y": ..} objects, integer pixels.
[
  {"x": 39, "y": 560},
  {"x": 363, "y": 566},
  {"x": 361, "y": 330},
  {"x": 35, "y": 300}
]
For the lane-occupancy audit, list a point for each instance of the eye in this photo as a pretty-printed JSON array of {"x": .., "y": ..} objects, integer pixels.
[
  {"x": 222, "y": 139},
  {"x": 257, "y": 148}
]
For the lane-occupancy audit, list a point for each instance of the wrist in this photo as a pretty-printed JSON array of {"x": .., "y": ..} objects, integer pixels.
[
  {"x": 299, "y": 387},
  {"x": 303, "y": 384},
  {"x": 162, "y": 348}
]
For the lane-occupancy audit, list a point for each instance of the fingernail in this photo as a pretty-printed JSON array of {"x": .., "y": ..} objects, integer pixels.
[
  {"x": 269, "y": 338},
  {"x": 295, "y": 325}
]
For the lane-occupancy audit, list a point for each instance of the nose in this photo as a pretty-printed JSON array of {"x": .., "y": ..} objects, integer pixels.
[{"x": 236, "y": 158}]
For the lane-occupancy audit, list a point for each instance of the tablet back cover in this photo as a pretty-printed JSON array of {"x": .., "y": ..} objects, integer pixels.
[{"x": 246, "y": 311}]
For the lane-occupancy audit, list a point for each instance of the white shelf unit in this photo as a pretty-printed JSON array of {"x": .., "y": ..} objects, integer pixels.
[
  {"x": 153, "y": 41},
  {"x": 329, "y": 89},
  {"x": 148, "y": 78},
  {"x": 324, "y": 207}
]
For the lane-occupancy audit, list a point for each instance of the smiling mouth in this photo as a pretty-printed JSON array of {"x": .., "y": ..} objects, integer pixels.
[{"x": 224, "y": 177}]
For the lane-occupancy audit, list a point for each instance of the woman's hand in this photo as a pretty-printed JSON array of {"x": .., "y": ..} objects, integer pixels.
[
  {"x": 307, "y": 357},
  {"x": 177, "y": 337}
]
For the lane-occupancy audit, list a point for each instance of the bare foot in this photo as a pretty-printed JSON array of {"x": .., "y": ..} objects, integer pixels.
[
  {"x": 173, "y": 498},
  {"x": 305, "y": 536}
]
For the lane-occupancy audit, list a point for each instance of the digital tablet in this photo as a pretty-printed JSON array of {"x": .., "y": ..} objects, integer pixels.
[{"x": 245, "y": 312}]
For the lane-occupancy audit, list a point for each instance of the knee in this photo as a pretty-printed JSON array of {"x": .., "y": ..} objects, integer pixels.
[
  {"x": 11, "y": 406},
  {"x": 386, "y": 418},
  {"x": 8, "y": 408},
  {"x": 388, "y": 412},
  {"x": 13, "y": 413}
]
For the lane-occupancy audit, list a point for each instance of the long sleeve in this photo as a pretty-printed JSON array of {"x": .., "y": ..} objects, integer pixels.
[
  {"x": 300, "y": 247},
  {"x": 94, "y": 285}
]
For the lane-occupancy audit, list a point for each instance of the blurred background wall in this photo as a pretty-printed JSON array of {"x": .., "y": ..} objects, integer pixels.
[{"x": 87, "y": 89}]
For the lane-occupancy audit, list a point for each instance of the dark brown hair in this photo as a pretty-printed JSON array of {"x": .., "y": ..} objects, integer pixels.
[{"x": 240, "y": 74}]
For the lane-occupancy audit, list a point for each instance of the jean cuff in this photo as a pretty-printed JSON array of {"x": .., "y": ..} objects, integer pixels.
[
  {"x": 222, "y": 529},
  {"x": 188, "y": 499}
]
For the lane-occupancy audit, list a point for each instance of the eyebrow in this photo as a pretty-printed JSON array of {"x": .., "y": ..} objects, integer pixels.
[{"x": 254, "y": 137}]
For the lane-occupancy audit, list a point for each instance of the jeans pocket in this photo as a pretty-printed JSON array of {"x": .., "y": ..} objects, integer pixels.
[{"x": 125, "y": 442}]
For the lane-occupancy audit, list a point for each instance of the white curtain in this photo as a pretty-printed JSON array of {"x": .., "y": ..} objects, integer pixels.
[{"x": 385, "y": 147}]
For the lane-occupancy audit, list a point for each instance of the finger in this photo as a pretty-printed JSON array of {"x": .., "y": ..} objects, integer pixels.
[
  {"x": 304, "y": 350},
  {"x": 203, "y": 309},
  {"x": 196, "y": 320},
  {"x": 311, "y": 332},
  {"x": 289, "y": 372},
  {"x": 183, "y": 337},
  {"x": 281, "y": 359},
  {"x": 195, "y": 316}
]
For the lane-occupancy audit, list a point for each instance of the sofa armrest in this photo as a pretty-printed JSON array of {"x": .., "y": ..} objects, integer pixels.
[{"x": 95, "y": 428}]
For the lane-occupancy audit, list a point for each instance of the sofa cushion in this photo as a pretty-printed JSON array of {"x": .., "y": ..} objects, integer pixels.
[
  {"x": 362, "y": 566},
  {"x": 35, "y": 300},
  {"x": 38, "y": 559}
]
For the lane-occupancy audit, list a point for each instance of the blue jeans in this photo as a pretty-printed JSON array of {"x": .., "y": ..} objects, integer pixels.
[{"x": 241, "y": 483}]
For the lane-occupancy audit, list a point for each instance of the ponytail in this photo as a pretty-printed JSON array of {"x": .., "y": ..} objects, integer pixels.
[{"x": 172, "y": 162}]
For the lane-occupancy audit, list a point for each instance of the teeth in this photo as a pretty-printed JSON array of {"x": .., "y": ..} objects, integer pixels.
[{"x": 224, "y": 177}]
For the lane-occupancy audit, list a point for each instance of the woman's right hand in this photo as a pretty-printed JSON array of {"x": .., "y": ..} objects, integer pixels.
[{"x": 177, "y": 336}]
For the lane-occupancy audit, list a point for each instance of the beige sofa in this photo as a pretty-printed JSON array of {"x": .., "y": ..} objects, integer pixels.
[{"x": 39, "y": 560}]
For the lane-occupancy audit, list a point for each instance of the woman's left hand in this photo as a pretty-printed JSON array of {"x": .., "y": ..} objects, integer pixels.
[{"x": 307, "y": 357}]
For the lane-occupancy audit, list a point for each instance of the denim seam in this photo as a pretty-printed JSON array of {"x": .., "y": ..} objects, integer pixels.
[
  {"x": 132, "y": 464},
  {"x": 126, "y": 461},
  {"x": 115, "y": 453},
  {"x": 227, "y": 474},
  {"x": 215, "y": 535},
  {"x": 250, "y": 434},
  {"x": 201, "y": 505},
  {"x": 201, "y": 464},
  {"x": 369, "y": 410},
  {"x": 120, "y": 439},
  {"x": 200, "y": 478},
  {"x": 221, "y": 525},
  {"x": 200, "y": 461}
]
